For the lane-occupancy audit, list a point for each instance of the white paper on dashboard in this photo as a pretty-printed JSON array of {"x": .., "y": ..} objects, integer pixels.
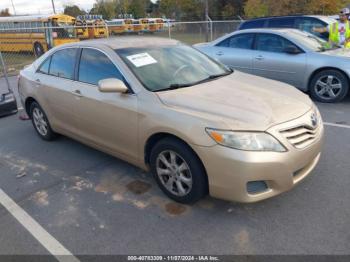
[{"x": 141, "y": 59}]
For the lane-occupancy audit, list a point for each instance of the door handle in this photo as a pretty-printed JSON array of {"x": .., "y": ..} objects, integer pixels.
[
  {"x": 220, "y": 53},
  {"x": 77, "y": 93},
  {"x": 259, "y": 57}
]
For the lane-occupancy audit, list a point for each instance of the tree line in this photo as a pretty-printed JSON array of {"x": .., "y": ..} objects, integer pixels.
[{"x": 187, "y": 10}]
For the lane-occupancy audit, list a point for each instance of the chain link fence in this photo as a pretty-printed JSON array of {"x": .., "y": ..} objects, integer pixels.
[{"x": 21, "y": 46}]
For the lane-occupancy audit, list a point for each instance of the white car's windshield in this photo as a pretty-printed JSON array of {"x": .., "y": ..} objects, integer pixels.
[
  {"x": 171, "y": 67},
  {"x": 310, "y": 41}
]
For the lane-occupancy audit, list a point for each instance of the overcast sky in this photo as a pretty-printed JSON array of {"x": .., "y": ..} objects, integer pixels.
[{"x": 42, "y": 6}]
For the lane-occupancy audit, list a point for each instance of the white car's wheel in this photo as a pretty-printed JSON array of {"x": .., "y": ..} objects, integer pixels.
[{"x": 329, "y": 86}]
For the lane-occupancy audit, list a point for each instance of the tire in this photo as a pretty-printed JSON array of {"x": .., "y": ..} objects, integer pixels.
[
  {"x": 41, "y": 123},
  {"x": 38, "y": 50},
  {"x": 191, "y": 176},
  {"x": 329, "y": 86}
]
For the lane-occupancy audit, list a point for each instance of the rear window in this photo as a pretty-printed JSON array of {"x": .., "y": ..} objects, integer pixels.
[
  {"x": 63, "y": 62},
  {"x": 253, "y": 24}
]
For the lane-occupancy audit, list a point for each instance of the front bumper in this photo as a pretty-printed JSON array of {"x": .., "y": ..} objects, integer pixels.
[
  {"x": 229, "y": 171},
  {"x": 7, "y": 106}
]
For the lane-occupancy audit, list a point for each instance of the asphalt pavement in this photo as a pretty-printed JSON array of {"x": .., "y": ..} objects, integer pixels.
[{"x": 92, "y": 203}]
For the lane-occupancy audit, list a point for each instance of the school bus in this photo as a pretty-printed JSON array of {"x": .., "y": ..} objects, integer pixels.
[
  {"x": 90, "y": 27},
  {"x": 128, "y": 25},
  {"x": 145, "y": 26},
  {"x": 37, "y": 33},
  {"x": 116, "y": 26},
  {"x": 136, "y": 26},
  {"x": 155, "y": 24}
]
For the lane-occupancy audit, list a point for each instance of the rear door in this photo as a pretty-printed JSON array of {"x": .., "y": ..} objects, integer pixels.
[
  {"x": 271, "y": 61},
  {"x": 236, "y": 52},
  {"x": 55, "y": 77}
]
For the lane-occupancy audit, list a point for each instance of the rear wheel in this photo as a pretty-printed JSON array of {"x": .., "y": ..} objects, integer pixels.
[
  {"x": 38, "y": 50},
  {"x": 178, "y": 171},
  {"x": 41, "y": 123},
  {"x": 329, "y": 86}
]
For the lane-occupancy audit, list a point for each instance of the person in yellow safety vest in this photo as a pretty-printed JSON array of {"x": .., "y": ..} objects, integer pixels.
[{"x": 339, "y": 32}]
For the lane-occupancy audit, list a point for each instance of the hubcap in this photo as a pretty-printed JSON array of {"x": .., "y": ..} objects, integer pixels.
[
  {"x": 328, "y": 87},
  {"x": 39, "y": 121},
  {"x": 174, "y": 173}
]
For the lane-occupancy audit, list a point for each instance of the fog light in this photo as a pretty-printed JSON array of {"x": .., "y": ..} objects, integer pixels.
[{"x": 257, "y": 187}]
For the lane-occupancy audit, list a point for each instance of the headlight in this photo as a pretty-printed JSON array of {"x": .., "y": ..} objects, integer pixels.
[
  {"x": 6, "y": 98},
  {"x": 249, "y": 141}
]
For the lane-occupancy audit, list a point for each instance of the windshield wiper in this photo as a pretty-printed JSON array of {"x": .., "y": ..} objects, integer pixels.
[
  {"x": 209, "y": 78},
  {"x": 220, "y": 75}
]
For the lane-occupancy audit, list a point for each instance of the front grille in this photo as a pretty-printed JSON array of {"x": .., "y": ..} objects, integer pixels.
[{"x": 301, "y": 136}]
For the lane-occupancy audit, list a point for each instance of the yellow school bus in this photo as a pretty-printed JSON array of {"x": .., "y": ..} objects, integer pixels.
[
  {"x": 90, "y": 27},
  {"x": 155, "y": 24},
  {"x": 116, "y": 26},
  {"x": 37, "y": 33},
  {"x": 145, "y": 26},
  {"x": 136, "y": 26},
  {"x": 128, "y": 25}
]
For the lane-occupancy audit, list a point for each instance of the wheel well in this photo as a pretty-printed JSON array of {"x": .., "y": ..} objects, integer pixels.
[
  {"x": 37, "y": 43},
  {"x": 153, "y": 140},
  {"x": 28, "y": 103},
  {"x": 324, "y": 69}
]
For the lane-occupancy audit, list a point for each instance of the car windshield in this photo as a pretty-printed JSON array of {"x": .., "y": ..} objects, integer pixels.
[
  {"x": 311, "y": 41},
  {"x": 171, "y": 67}
]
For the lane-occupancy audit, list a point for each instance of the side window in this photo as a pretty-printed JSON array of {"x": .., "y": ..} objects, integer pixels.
[
  {"x": 95, "y": 66},
  {"x": 272, "y": 43},
  {"x": 260, "y": 23},
  {"x": 285, "y": 22},
  {"x": 307, "y": 24},
  {"x": 44, "y": 68},
  {"x": 243, "y": 41},
  {"x": 63, "y": 62}
]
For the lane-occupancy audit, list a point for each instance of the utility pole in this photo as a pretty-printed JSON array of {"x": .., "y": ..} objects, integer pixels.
[
  {"x": 13, "y": 6},
  {"x": 53, "y": 6},
  {"x": 207, "y": 20}
]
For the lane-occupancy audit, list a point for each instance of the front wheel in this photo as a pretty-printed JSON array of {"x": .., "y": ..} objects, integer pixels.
[
  {"x": 178, "y": 171},
  {"x": 329, "y": 86}
]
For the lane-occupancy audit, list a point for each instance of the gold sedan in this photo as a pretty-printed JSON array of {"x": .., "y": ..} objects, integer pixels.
[{"x": 200, "y": 127}]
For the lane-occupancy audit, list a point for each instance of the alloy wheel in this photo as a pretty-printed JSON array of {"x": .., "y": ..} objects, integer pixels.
[
  {"x": 174, "y": 173},
  {"x": 328, "y": 87},
  {"x": 40, "y": 122}
]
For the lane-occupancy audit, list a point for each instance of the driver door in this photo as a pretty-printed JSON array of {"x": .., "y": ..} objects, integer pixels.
[
  {"x": 271, "y": 61},
  {"x": 107, "y": 120}
]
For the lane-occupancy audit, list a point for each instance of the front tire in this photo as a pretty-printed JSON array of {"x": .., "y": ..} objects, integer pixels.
[
  {"x": 329, "y": 86},
  {"x": 38, "y": 50},
  {"x": 41, "y": 123},
  {"x": 178, "y": 171}
]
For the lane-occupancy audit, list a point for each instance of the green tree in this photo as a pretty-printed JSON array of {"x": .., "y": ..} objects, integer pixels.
[
  {"x": 106, "y": 8},
  {"x": 256, "y": 8},
  {"x": 73, "y": 10},
  {"x": 5, "y": 12}
]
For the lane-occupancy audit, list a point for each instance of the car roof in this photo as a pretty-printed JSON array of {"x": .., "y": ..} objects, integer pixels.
[
  {"x": 127, "y": 42},
  {"x": 284, "y": 16},
  {"x": 268, "y": 30}
]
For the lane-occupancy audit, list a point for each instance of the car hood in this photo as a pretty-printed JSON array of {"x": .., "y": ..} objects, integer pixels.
[
  {"x": 338, "y": 52},
  {"x": 240, "y": 101}
]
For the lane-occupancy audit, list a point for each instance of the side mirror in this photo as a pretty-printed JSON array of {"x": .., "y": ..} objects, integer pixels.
[
  {"x": 112, "y": 85},
  {"x": 292, "y": 50}
]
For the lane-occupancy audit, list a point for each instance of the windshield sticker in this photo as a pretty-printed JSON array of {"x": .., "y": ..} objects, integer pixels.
[{"x": 142, "y": 59}]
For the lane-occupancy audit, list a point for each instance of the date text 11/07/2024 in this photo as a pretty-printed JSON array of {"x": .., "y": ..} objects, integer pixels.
[{"x": 173, "y": 258}]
